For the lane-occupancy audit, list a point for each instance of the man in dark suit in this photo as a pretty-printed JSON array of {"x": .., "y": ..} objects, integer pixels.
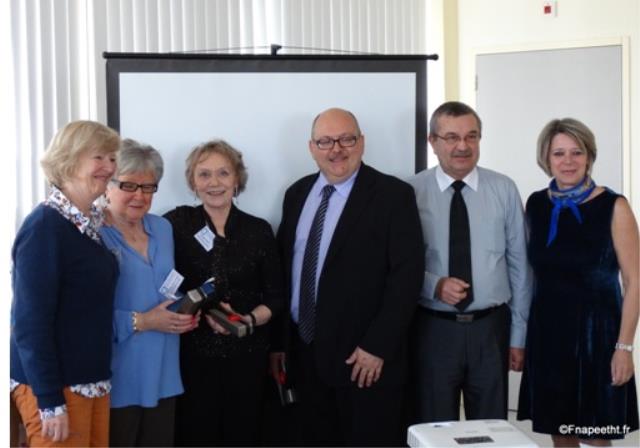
[{"x": 351, "y": 244}]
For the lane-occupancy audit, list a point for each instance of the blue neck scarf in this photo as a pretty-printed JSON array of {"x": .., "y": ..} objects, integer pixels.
[{"x": 569, "y": 198}]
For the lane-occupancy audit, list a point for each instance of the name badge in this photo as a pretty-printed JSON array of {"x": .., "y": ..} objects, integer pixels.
[
  {"x": 171, "y": 284},
  {"x": 206, "y": 238}
]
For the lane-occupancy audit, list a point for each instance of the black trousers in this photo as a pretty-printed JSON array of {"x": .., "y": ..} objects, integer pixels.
[
  {"x": 222, "y": 402},
  {"x": 451, "y": 358},
  {"x": 138, "y": 426},
  {"x": 343, "y": 416}
]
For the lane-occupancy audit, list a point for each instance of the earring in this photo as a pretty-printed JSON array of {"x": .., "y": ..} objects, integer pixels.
[{"x": 235, "y": 195}]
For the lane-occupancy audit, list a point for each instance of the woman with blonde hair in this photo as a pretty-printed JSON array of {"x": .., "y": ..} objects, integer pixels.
[
  {"x": 578, "y": 381},
  {"x": 223, "y": 375},
  {"x": 63, "y": 285}
]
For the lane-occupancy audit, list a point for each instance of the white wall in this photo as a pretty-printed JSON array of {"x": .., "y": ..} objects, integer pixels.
[
  {"x": 435, "y": 69},
  {"x": 513, "y": 23}
]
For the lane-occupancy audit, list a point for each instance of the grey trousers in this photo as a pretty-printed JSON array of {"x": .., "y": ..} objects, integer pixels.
[{"x": 452, "y": 358}]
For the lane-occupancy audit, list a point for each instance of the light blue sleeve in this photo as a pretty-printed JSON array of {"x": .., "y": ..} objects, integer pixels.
[
  {"x": 520, "y": 273},
  {"x": 122, "y": 325},
  {"x": 430, "y": 280},
  {"x": 428, "y": 293},
  {"x": 122, "y": 319}
]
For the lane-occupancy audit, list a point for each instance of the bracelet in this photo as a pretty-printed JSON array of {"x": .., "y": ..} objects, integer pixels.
[
  {"x": 134, "y": 321},
  {"x": 625, "y": 347},
  {"x": 254, "y": 321}
]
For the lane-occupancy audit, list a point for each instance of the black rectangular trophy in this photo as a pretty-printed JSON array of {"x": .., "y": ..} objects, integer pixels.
[
  {"x": 231, "y": 322},
  {"x": 191, "y": 302}
]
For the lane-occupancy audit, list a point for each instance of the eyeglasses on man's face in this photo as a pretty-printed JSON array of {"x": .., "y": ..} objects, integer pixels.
[
  {"x": 345, "y": 141},
  {"x": 453, "y": 139},
  {"x": 132, "y": 187}
]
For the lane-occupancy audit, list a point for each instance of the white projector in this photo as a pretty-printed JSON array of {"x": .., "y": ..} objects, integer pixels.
[{"x": 467, "y": 434}]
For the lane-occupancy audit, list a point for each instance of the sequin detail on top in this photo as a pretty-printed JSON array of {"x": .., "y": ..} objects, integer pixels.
[{"x": 246, "y": 268}]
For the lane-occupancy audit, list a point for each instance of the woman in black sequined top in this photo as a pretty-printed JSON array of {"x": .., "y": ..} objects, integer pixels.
[{"x": 223, "y": 375}]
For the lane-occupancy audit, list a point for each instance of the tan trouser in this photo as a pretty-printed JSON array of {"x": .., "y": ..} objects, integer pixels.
[{"x": 88, "y": 419}]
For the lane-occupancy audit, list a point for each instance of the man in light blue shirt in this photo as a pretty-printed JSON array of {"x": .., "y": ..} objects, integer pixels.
[
  {"x": 468, "y": 332},
  {"x": 334, "y": 210},
  {"x": 351, "y": 248}
]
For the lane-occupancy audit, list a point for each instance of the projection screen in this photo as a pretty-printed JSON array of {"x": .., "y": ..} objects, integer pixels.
[{"x": 264, "y": 105}]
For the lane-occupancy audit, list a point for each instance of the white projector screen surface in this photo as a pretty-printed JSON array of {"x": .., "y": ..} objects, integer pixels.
[{"x": 267, "y": 116}]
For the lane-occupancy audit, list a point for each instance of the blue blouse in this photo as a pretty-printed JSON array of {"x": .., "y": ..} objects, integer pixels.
[{"x": 146, "y": 364}]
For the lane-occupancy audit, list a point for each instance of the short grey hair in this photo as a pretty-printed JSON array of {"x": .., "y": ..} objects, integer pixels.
[
  {"x": 573, "y": 128},
  {"x": 452, "y": 109},
  {"x": 135, "y": 157}
]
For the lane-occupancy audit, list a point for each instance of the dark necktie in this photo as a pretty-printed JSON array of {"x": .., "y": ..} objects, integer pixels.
[
  {"x": 460, "y": 242},
  {"x": 307, "y": 310}
]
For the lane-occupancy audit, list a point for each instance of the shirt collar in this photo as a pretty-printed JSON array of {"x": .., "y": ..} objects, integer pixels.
[
  {"x": 343, "y": 188},
  {"x": 88, "y": 225},
  {"x": 445, "y": 181}
]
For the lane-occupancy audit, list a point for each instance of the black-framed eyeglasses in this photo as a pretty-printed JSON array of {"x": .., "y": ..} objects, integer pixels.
[
  {"x": 454, "y": 139},
  {"x": 132, "y": 187},
  {"x": 345, "y": 141}
]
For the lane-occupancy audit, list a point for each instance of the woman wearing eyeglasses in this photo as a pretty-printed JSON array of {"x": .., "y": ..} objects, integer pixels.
[
  {"x": 223, "y": 374},
  {"x": 145, "y": 363}
]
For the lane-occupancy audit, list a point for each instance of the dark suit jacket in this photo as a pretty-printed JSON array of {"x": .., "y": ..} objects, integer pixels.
[{"x": 371, "y": 279}]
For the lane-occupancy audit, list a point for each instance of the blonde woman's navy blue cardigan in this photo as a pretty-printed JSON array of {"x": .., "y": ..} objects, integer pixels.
[{"x": 62, "y": 310}]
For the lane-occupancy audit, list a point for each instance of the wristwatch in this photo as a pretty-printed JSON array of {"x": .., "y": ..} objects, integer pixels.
[{"x": 625, "y": 347}]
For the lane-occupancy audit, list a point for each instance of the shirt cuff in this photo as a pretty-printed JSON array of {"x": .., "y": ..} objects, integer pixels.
[
  {"x": 48, "y": 413},
  {"x": 518, "y": 336},
  {"x": 428, "y": 292}
]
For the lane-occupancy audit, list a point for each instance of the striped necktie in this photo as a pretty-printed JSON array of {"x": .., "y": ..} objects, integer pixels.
[{"x": 307, "y": 315}]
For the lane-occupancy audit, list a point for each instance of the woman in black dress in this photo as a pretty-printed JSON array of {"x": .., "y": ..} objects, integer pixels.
[
  {"x": 223, "y": 375},
  {"x": 578, "y": 381}
]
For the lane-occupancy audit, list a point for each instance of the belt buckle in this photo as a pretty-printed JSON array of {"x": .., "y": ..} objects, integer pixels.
[{"x": 464, "y": 318}]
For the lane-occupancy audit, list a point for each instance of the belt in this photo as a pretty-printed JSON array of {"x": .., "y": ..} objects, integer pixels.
[{"x": 462, "y": 317}]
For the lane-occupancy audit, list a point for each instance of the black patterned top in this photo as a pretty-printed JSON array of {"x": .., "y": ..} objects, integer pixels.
[{"x": 246, "y": 268}]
